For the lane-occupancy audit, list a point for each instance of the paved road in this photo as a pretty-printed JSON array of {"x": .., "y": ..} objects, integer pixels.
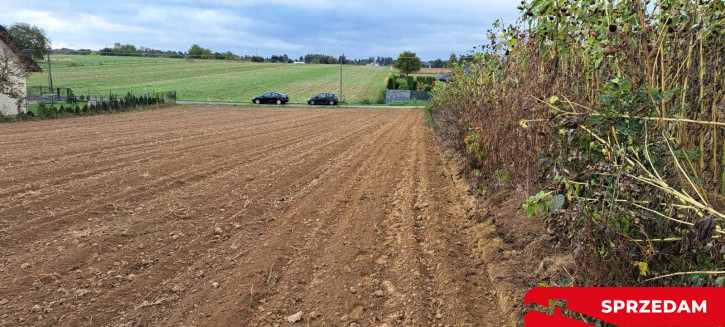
[{"x": 291, "y": 105}]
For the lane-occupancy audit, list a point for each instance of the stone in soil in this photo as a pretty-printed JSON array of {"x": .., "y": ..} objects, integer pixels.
[{"x": 295, "y": 317}]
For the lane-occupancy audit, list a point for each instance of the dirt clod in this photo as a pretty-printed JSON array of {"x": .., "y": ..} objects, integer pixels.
[{"x": 295, "y": 317}]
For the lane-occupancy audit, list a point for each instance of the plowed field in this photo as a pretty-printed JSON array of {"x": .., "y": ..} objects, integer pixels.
[{"x": 216, "y": 216}]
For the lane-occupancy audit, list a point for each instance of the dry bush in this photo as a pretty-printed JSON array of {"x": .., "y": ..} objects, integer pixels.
[{"x": 615, "y": 109}]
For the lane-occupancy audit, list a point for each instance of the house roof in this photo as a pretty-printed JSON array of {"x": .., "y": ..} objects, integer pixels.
[
  {"x": 25, "y": 58},
  {"x": 444, "y": 77},
  {"x": 447, "y": 77}
]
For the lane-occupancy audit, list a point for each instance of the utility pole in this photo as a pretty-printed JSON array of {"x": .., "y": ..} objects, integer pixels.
[
  {"x": 50, "y": 76},
  {"x": 342, "y": 59}
]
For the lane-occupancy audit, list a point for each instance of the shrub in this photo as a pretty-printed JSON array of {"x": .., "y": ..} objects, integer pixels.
[
  {"x": 623, "y": 145},
  {"x": 410, "y": 81},
  {"x": 381, "y": 97},
  {"x": 392, "y": 82},
  {"x": 402, "y": 83}
]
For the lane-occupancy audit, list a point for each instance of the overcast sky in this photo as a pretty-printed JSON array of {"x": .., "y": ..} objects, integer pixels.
[{"x": 360, "y": 29}]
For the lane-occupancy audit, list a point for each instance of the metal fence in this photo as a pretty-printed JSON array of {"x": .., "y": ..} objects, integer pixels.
[
  {"x": 392, "y": 96},
  {"x": 36, "y": 92},
  {"x": 420, "y": 95},
  {"x": 63, "y": 94}
]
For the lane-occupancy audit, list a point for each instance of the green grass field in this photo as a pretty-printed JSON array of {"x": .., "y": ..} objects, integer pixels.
[{"x": 209, "y": 80}]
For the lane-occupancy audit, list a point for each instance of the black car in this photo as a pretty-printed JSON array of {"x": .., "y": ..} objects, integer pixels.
[
  {"x": 271, "y": 97},
  {"x": 323, "y": 98}
]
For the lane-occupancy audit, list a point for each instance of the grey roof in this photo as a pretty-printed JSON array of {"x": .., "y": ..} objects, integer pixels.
[
  {"x": 443, "y": 78},
  {"x": 447, "y": 77}
]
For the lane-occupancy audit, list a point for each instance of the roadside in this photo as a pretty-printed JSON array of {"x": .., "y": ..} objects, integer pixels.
[
  {"x": 296, "y": 105},
  {"x": 510, "y": 249}
]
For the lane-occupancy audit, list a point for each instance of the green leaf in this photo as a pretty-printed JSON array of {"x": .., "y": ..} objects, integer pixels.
[
  {"x": 643, "y": 267},
  {"x": 556, "y": 202}
]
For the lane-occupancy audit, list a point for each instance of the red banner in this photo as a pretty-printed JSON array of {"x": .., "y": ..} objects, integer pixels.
[{"x": 631, "y": 306}]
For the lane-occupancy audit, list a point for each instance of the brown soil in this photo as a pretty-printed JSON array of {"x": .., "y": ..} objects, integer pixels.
[{"x": 209, "y": 216}]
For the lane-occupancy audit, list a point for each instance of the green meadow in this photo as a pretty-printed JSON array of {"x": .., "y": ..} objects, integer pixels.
[{"x": 209, "y": 80}]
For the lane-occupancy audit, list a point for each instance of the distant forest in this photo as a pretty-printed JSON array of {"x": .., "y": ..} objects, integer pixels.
[{"x": 199, "y": 52}]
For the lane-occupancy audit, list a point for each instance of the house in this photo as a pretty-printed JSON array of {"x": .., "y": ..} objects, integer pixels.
[
  {"x": 15, "y": 65},
  {"x": 445, "y": 78}
]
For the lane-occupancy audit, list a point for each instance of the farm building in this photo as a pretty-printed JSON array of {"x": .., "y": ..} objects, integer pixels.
[
  {"x": 15, "y": 64},
  {"x": 445, "y": 78}
]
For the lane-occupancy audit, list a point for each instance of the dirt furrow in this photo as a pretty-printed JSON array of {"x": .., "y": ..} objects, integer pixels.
[
  {"x": 120, "y": 156},
  {"x": 215, "y": 246},
  {"x": 245, "y": 217},
  {"x": 207, "y": 173}
]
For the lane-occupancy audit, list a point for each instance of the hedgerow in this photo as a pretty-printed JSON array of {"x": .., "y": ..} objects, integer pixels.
[
  {"x": 74, "y": 106},
  {"x": 611, "y": 114}
]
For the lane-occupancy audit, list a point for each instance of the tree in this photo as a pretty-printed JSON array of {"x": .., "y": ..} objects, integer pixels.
[
  {"x": 31, "y": 37},
  {"x": 124, "y": 49},
  {"x": 319, "y": 59},
  {"x": 197, "y": 51},
  {"x": 452, "y": 60},
  {"x": 386, "y": 61},
  {"x": 408, "y": 62},
  {"x": 464, "y": 59},
  {"x": 229, "y": 55}
]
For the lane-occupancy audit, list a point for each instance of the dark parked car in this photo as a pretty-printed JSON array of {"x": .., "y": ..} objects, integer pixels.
[
  {"x": 323, "y": 98},
  {"x": 271, "y": 97}
]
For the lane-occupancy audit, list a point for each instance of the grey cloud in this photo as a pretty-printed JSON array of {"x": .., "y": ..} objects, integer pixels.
[{"x": 357, "y": 28}]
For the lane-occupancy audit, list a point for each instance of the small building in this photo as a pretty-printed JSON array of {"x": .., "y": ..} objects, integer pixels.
[
  {"x": 16, "y": 63},
  {"x": 445, "y": 78}
]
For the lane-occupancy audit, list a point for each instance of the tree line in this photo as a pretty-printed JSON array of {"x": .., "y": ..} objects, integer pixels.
[{"x": 34, "y": 38}]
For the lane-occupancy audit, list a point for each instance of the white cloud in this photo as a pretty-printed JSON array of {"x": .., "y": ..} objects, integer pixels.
[
  {"x": 101, "y": 24},
  {"x": 358, "y": 28}
]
